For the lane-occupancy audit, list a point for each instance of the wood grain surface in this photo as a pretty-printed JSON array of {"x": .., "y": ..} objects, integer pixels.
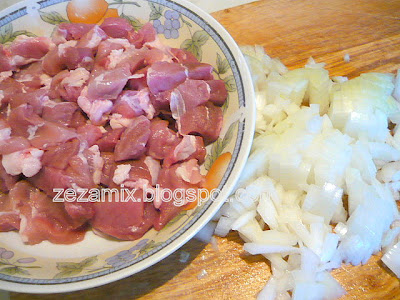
[{"x": 369, "y": 31}]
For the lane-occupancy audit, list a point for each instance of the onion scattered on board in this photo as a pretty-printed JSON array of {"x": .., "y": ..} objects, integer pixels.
[{"x": 319, "y": 141}]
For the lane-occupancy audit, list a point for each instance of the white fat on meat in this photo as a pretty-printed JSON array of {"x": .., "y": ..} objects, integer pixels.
[
  {"x": 98, "y": 163},
  {"x": 145, "y": 103},
  {"x": 118, "y": 121},
  {"x": 140, "y": 102},
  {"x": 87, "y": 59},
  {"x": 4, "y": 75},
  {"x": 49, "y": 103},
  {"x": 5, "y": 134},
  {"x": 154, "y": 168},
  {"x": 75, "y": 186},
  {"x": 58, "y": 36},
  {"x": 115, "y": 57},
  {"x": 190, "y": 172},
  {"x": 25, "y": 78},
  {"x": 94, "y": 109},
  {"x": 8, "y": 110},
  {"x": 22, "y": 227},
  {"x": 141, "y": 183},
  {"x": 99, "y": 108},
  {"x": 168, "y": 56},
  {"x": 121, "y": 173},
  {"x": 62, "y": 47},
  {"x": 32, "y": 131},
  {"x": 99, "y": 78},
  {"x": 96, "y": 38},
  {"x": 17, "y": 60},
  {"x": 136, "y": 76},
  {"x": 8, "y": 213},
  {"x": 185, "y": 148},
  {"x": 26, "y": 162},
  {"x": 82, "y": 147},
  {"x": 123, "y": 42},
  {"x": 177, "y": 105},
  {"x": 102, "y": 129},
  {"x": 76, "y": 78}
]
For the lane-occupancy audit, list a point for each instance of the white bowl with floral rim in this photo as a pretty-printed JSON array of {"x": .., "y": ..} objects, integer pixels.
[{"x": 48, "y": 268}]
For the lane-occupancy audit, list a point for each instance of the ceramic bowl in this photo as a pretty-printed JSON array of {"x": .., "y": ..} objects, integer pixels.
[{"x": 48, "y": 268}]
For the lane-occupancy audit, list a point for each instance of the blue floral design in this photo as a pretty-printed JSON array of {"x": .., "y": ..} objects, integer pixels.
[
  {"x": 121, "y": 258},
  {"x": 14, "y": 268},
  {"x": 125, "y": 256},
  {"x": 170, "y": 28},
  {"x": 140, "y": 245}
]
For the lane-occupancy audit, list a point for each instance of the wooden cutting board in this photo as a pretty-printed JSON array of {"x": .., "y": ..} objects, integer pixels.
[{"x": 369, "y": 31}]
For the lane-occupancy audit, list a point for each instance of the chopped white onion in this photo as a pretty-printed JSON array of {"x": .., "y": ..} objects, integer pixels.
[
  {"x": 206, "y": 233},
  {"x": 302, "y": 162},
  {"x": 392, "y": 259}
]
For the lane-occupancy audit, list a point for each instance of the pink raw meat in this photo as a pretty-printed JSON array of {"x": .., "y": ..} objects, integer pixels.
[
  {"x": 59, "y": 156},
  {"x": 162, "y": 140},
  {"x": 9, "y": 215},
  {"x": 133, "y": 140},
  {"x": 27, "y": 49},
  {"x": 133, "y": 104},
  {"x": 21, "y": 118},
  {"x": 190, "y": 147},
  {"x": 205, "y": 120},
  {"x": 52, "y": 134},
  {"x": 7, "y": 181},
  {"x": 116, "y": 27},
  {"x": 70, "y": 31},
  {"x": 89, "y": 133},
  {"x": 14, "y": 144},
  {"x": 43, "y": 219},
  {"x": 60, "y": 112},
  {"x": 188, "y": 95},
  {"x": 183, "y": 176},
  {"x": 163, "y": 76},
  {"x": 218, "y": 92},
  {"x": 92, "y": 38},
  {"x": 108, "y": 84},
  {"x": 35, "y": 99},
  {"x": 199, "y": 71},
  {"x": 109, "y": 140},
  {"x": 120, "y": 219}
]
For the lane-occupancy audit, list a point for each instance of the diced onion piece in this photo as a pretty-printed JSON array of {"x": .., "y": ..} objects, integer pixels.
[{"x": 392, "y": 259}]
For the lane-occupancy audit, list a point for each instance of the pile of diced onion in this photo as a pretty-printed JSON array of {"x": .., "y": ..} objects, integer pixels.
[{"x": 321, "y": 183}]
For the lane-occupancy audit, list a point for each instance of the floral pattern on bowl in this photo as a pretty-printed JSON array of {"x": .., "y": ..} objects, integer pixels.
[{"x": 46, "y": 267}]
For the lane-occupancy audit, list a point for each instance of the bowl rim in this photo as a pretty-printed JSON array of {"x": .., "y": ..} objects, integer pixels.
[{"x": 183, "y": 238}]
